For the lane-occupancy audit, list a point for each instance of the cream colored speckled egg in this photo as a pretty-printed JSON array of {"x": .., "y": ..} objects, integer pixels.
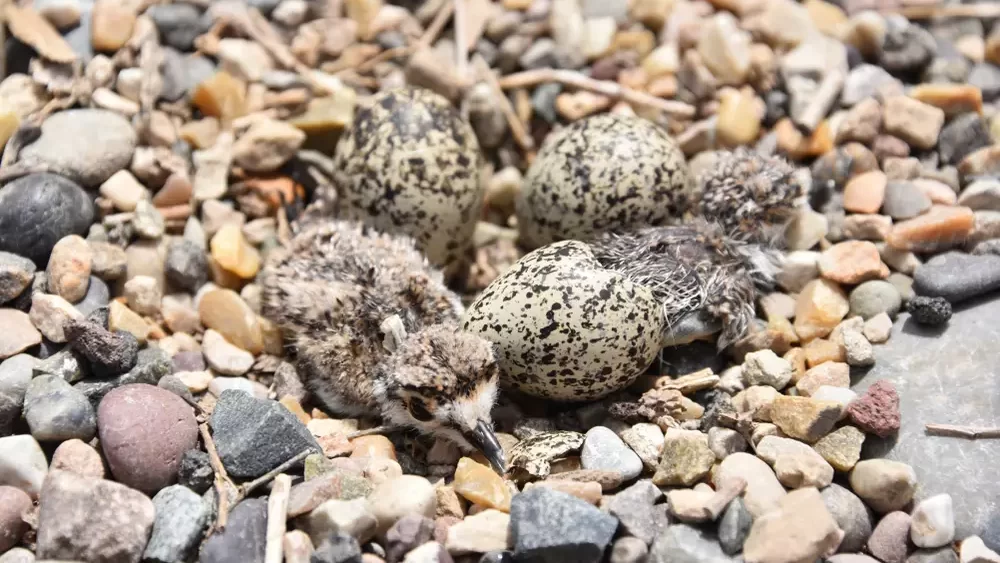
[
  {"x": 567, "y": 328},
  {"x": 599, "y": 174},
  {"x": 409, "y": 164}
]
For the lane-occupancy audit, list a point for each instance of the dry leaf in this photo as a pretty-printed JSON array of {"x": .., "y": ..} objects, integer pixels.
[{"x": 34, "y": 30}]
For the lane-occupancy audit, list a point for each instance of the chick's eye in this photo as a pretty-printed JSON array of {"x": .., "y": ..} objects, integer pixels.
[{"x": 418, "y": 410}]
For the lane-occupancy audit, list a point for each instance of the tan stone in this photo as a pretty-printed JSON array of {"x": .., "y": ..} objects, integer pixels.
[
  {"x": 589, "y": 491},
  {"x": 820, "y": 307},
  {"x": 828, "y": 18},
  {"x": 861, "y": 123},
  {"x": 820, "y": 351},
  {"x": 913, "y": 121},
  {"x": 111, "y": 25},
  {"x": 852, "y": 262},
  {"x": 953, "y": 99},
  {"x": 222, "y": 95},
  {"x": 836, "y": 374},
  {"x": 867, "y": 227},
  {"x": 939, "y": 229},
  {"x": 842, "y": 447},
  {"x": 20, "y": 333},
  {"x": 481, "y": 485},
  {"x": 325, "y": 118},
  {"x": 738, "y": 119},
  {"x": 225, "y": 311},
  {"x": 122, "y": 318},
  {"x": 982, "y": 162},
  {"x": 937, "y": 192},
  {"x": 801, "y": 530},
  {"x": 804, "y": 418},
  {"x": 69, "y": 268},
  {"x": 234, "y": 253},
  {"x": 725, "y": 48},
  {"x": 865, "y": 193}
]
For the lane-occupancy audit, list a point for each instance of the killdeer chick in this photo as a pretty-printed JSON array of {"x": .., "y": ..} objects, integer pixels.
[{"x": 375, "y": 331}]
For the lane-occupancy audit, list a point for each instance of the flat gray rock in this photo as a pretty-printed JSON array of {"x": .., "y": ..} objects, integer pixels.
[
  {"x": 946, "y": 376},
  {"x": 957, "y": 276}
]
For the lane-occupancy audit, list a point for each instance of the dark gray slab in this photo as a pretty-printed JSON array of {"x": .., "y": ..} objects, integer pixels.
[{"x": 947, "y": 376}]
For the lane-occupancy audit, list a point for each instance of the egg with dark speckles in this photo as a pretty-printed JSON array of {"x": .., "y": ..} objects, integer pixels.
[
  {"x": 599, "y": 174},
  {"x": 567, "y": 328},
  {"x": 409, "y": 164}
]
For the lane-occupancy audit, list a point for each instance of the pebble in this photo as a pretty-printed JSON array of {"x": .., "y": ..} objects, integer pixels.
[
  {"x": 16, "y": 274},
  {"x": 763, "y": 491},
  {"x": 148, "y": 222},
  {"x": 17, "y": 555},
  {"x": 957, "y": 276},
  {"x": 109, "y": 261},
  {"x": 336, "y": 484},
  {"x": 374, "y": 446},
  {"x": 865, "y": 81},
  {"x": 725, "y": 48},
  {"x": 548, "y": 524},
  {"x": 681, "y": 542},
  {"x": 764, "y": 367},
  {"x": 904, "y": 200},
  {"x": 267, "y": 145},
  {"x": 804, "y": 418},
  {"x": 734, "y": 526},
  {"x": 798, "y": 269},
  {"x": 223, "y": 357},
  {"x": 55, "y": 411},
  {"x": 401, "y": 496},
  {"x": 108, "y": 353},
  {"x": 756, "y": 401},
  {"x": 85, "y": 145},
  {"x": 800, "y": 529},
  {"x": 245, "y": 535},
  {"x": 406, "y": 535},
  {"x": 590, "y": 491},
  {"x": 185, "y": 265},
  {"x": 884, "y": 484},
  {"x": 124, "y": 190},
  {"x": 480, "y": 533},
  {"x": 803, "y": 470},
  {"x": 963, "y": 135},
  {"x": 686, "y": 458},
  {"x": 86, "y": 519},
  {"x": 841, "y": 448},
  {"x": 481, "y": 485},
  {"x": 50, "y": 313},
  {"x": 878, "y": 328},
  {"x": 820, "y": 307},
  {"x": 888, "y": 541},
  {"x": 981, "y": 195},
  {"x": 604, "y": 450},
  {"x": 254, "y": 436},
  {"x": 877, "y": 410},
  {"x": 68, "y": 272},
  {"x": 873, "y": 298},
  {"x": 831, "y": 374},
  {"x": 181, "y": 517},
  {"x": 195, "y": 471},
  {"x": 933, "y": 522},
  {"x": 973, "y": 550},
  {"x": 867, "y": 227},
  {"x": 858, "y": 351},
  {"x": 178, "y": 24},
  {"x": 19, "y": 334},
  {"x": 351, "y": 517},
  {"x": 725, "y": 441},
  {"x": 628, "y": 550},
  {"x": 37, "y": 211},
  {"x": 78, "y": 457},
  {"x": 945, "y": 554},
  {"x": 930, "y": 311},
  {"x": 15, "y": 375},
  {"x": 941, "y": 228},
  {"x": 865, "y": 192},
  {"x": 646, "y": 440},
  {"x": 338, "y": 548},
  {"x": 13, "y": 503},
  {"x": 223, "y": 310},
  {"x": 913, "y": 121},
  {"x": 636, "y": 511},
  {"x": 852, "y": 516}
]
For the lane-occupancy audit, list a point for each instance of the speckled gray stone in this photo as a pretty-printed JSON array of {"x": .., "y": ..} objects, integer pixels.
[
  {"x": 599, "y": 174},
  {"x": 556, "y": 527},
  {"x": 851, "y": 515},
  {"x": 957, "y": 276},
  {"x": 181, "y": 517},
  {"x": 57, "y": 412}
]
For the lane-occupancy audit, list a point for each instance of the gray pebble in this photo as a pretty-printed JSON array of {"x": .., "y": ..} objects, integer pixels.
[
  {"x": 181, "y": 517},
  {"x": 15, "y": 374},
  {"x": 57, "y": 412},
  {"x": 85, "y": 145},
  {"x": 903, "y": 284},
  {"x": 962, "y": 136},
  {"x": 109, "y": 353},
  {"x": 178, "y": 24},
  {"x": 38, "y": 210},
  {"x": 98, "y": 296},
  {"x": 148, "y": 222},
  {"x": 851, "y": 515},
  {"x": 176, "y": 386},
  {"x": 604, "y": 450},
  {"x": 185, "y": 266},
  {"x": 734, "y": 527},
  {"x": 864, "y": 81},
  {"x": 182, "y": 73},
  {"x": 196, "y": 471},
  {"x": 874, "y": 297},
  {"x": 637, "y": 512},
  {"x": 16, "y": 274},
  {"x": 244, "y": 538},
  {"x": 338, "y": 548},
  {"x": 957, "y": 276},
  {"x": 903, "y": 200},
  {"x": 548, "y": 525},
  {"x": 152, "y": 365},
  {"x": 67, "y": 364},
  {"x": 858, "y": 350},
  {"x": 681, "y": 543},
  {"x": 628, "y": 550},
  {"x": 940, "y": 555},
  {"x": 986, "y": 77}
]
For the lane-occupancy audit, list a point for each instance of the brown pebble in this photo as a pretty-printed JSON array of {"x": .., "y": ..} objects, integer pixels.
[
  {"x": 79, "y": 457},
  {"x": 589, "y": 491},
  {"x": 821, "y": 350},
  {"x": 941, "y": 228},
  {"x": 111, "y": 25},
  {"x": 852, "y": 262},
  {"x": 865, "y": 192},
  {"x": 374, "y": 446},
  {"x": 953, "y": 99}
]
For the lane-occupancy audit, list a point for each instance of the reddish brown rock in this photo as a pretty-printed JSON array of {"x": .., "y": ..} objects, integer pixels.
[
  {"x": 852, "y": 262},
  {"x": 76, "y": 456},
  {"x": 865, "y": 192},
  {"x": 941, "y": 228},
  {"x": 877, "y": 411},
  {"x": 13, "y": 503},
  {"x": 144, "y": 432}
]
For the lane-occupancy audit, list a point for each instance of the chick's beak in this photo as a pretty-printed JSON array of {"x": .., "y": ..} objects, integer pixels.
[{"x": 482, "y": 437}]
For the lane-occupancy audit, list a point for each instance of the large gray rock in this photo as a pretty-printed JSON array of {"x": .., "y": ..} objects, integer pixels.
[
  {"x": 555, "y": 527},
  {"x": 84, "y": 145},
  {"x": 244, "y": 538},
  {"x": 253, "y": 436},
  {"x": 86, "y": 519},
  {"x": 957, "y": 276},
  {"x": 181, "y": 516},
  {"x": 57, "y": 412},
  {"x": 636, "y": 510},
  {"x": 38, "y": 210},
  {"x": 852, "y": 516},
  {"x": 943, "y": 376}
]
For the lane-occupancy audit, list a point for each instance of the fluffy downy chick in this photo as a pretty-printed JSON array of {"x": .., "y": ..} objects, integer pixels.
[
  {"x": 707, "y": 272},
  {"x": 375, "y": 332}
]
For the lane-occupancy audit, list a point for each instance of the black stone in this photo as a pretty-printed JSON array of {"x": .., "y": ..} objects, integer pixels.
[
  {"x": 930, "y": 311},
  {"x": 635, "y": 510},
  {"x": 962, "y": 136},
  {"x": 151, "y": 366},
  {"x": 109, "y": 353},
  {"x": 338, "y": 548},
  {"x": 38, "y": 210},
  {"x": 185, "y": 265},
  {"x": 196, "y": 472},
  {"x": 681, "y": 543},
  {"x": 553, "y": 527},
  {"x": 253, "y": 436},
  {"x": 907, "y": 50},
  {"x": 776, "y": 103},
  {"x": 986, "y": 77},
  {"x": 178, "y": 24},
  {"x": 734, "y": 526},
  {"x": 244, "y": 539},
  {"x": 957, "y": 276}
]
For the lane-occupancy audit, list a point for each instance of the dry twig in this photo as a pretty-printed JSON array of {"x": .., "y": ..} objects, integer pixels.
[
  {"x": 604, "y": 87},
  {"x": 277, "y": 512},
  {"x": 517, "y": 129},
  {"x": 984, "y": 10},
  {"x": 248, "y": 488},
  {"x": 956, "y": 431},
  {"x": 222, "y": 480}
]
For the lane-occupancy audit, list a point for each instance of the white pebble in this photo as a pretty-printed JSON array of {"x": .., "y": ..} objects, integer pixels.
[
  {"x": 858, "y": 350},
  {"x": 224, "y": 357},
  {"x": 878, "y": 328},
  {"x": 764, "y": 367},
  {"x": 933, "y": 522},
  {"x": 975, "y": 551},
  {"x": 842, "y": 395},
  {"x": 22, "y": 464}
]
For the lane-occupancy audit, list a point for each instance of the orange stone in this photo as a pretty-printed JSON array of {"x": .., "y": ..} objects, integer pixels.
[
  {"x": 796, "y": 357},
  {"x": 376, "y": 446},
  {"x": 865, "y": 193},
  {"x": 819, "y": 309},
  {"x": 952, "y": 98},
  {"x": 111, "y": 25},
  {"x": 799, "y": 147},
  {"x": 480, "y": 485},
  {"x": 590, "y": 491},
  {"x": 232, "y": 251},
  {"x": 221, "y": 95},
  {"x": 941, "y": 228},
  {"x": 275, "y": 189},
  {"x": 820, "y": 350},
  {"x": 738, "y": 120},
  {"x": 293, "y": 405},
  {"x": 223, "y": 310},
  {"x": 176, "y": 191},
  {"x": 852, "y": 262}
]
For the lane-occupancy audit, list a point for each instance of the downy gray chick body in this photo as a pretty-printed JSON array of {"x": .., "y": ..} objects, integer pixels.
[{"x": 375, "y": 332}]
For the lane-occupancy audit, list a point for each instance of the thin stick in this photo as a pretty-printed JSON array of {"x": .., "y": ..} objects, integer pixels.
[
  {"x": 436, "y": 26},
  {"x": 517, "y": 129},
  {"x": 985, "y": 10},
  {"x": 277, "y": 513},
  {"x": 248, "y": 488},
  {"x": 605, "y": 87},
  {"x": 221, "y": 479},
  {"x": 969, "y": 432},
  {"x": 461, "y": 49}
]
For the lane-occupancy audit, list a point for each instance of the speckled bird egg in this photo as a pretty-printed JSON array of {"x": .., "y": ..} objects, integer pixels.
[
  {"x": 409, "y": 164},
  {"x": 567, "y": 329},
  {"x": 600, "y": 174}
]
